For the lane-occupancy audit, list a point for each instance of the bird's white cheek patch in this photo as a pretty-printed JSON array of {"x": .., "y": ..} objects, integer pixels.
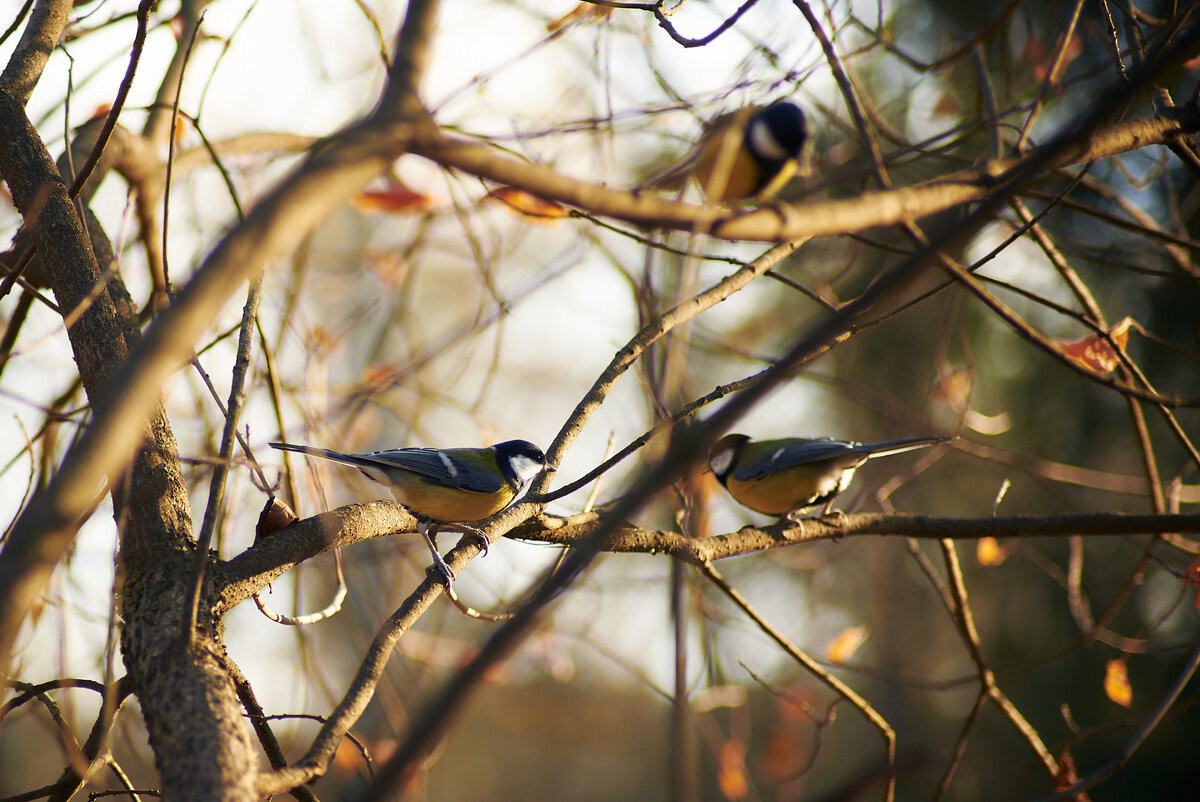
[
  {"x": 720, "y": 462},
  {"x": 524, "y": 468},
  {"x": 763, "y": 142}
]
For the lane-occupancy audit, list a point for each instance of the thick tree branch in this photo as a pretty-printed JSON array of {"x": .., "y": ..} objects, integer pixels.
[
  {"x": 271, "y": 229},
  {"x": 188, "y": 702},
  {"x": 252, "y": 570},
  {"x": 158, "y": 122},
  {"x": 42, "y": 32},
  {"x": 751, "y": 539},
  {"x": 778, "y": 222},
  {"x": 100, "y": 339}
]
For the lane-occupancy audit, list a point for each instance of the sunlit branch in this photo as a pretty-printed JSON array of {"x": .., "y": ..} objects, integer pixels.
[
  {"x": 829, "y": 680},
  {"x": 256, "y": 567},
  {"x": 987, "y": 678},
  {"x": 778, "y": 222}
]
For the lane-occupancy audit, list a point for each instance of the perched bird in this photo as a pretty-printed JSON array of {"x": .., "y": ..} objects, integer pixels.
[
  {"x": 747, "y": 154},
  {"x": 446, "y": 485},
  {"x": 778, "y": 477}
]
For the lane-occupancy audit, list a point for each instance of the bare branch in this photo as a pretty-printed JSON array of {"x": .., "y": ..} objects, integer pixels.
[{"x": 781, "y": 222}]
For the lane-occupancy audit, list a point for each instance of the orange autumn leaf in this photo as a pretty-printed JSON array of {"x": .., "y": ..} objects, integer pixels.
[
  {"x": 1116, "y": 682},
  {"x": 383, "y": 749},
  {"x": 1035, "y": 49},
  {"x": 183, "y": 126},
  {"x": 989, "y": 552},
  {"x": 524, "y": 203},
  {"x": 1041, "y": 62},
  {"x": 380, "y": 377},
  {"x": 391, "y": 267},
  {"x": 1067, "y": 777},
  {"x": 321, "y": 340},
  {"x": 782, "y": 754},
  {"x": 953, "y": 388},
  {"x": 731, "y": 770},
  {"x": 791, "y": 737},
  {"x": 349, "y": 757},
  {"x": 581, "y": 13},
  {"x": 1191, "y": 576},
  {"x": 395, "y": 198},
  {"x": 1094, "y": 352},
  {"x": 843, "y": 647}
]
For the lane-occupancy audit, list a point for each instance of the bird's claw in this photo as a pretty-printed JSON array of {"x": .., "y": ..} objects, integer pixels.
[
  {"x": 446, "y": 572},
  {"x": 479, "y": 536},
  {"x": 834, "y": 518},
  {"x": 428, "y": 531}
]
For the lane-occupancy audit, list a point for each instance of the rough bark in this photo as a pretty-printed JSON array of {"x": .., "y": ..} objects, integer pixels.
[{"x": 201, "y": 743}]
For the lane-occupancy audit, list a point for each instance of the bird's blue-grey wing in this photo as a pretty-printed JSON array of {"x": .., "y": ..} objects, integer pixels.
[
  {"x": 796, "y": 453},
  {"x": 437, "y": 466}
]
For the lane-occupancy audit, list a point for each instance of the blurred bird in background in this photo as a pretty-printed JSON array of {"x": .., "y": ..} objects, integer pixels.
[{"x": 748, "y": 154}]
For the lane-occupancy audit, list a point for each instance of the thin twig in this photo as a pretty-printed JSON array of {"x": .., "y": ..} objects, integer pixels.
[
  {"x": 216, "y": 493},
  {"x": 812, "y": 667},
  {"x": 1151, "y": 723},
  {"x": 987, "y": 678}
]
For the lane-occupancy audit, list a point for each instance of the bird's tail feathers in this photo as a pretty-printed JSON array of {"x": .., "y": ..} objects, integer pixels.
[
  {"x": 324, "y": 453},
  {"x": 888, "y": 447}
]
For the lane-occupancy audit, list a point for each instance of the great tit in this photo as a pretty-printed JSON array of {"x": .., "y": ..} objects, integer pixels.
[
  {"x": 446, "y": 485},
  {"x": 749, "y": 153},
  {"x": 779, "y": 477}
]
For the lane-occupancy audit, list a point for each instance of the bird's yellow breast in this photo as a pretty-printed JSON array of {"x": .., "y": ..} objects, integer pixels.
[
  {"x": 443, "y": 504},
  {"x": 790, "y": 489},
  {"x": 728, "y": 176}
]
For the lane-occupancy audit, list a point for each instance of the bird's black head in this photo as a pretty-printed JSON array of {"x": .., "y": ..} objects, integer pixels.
[
  {"x": 724, "y": 455},
  {"x": 778, "y": 133},
  {"x": 520, "y": 461}
]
